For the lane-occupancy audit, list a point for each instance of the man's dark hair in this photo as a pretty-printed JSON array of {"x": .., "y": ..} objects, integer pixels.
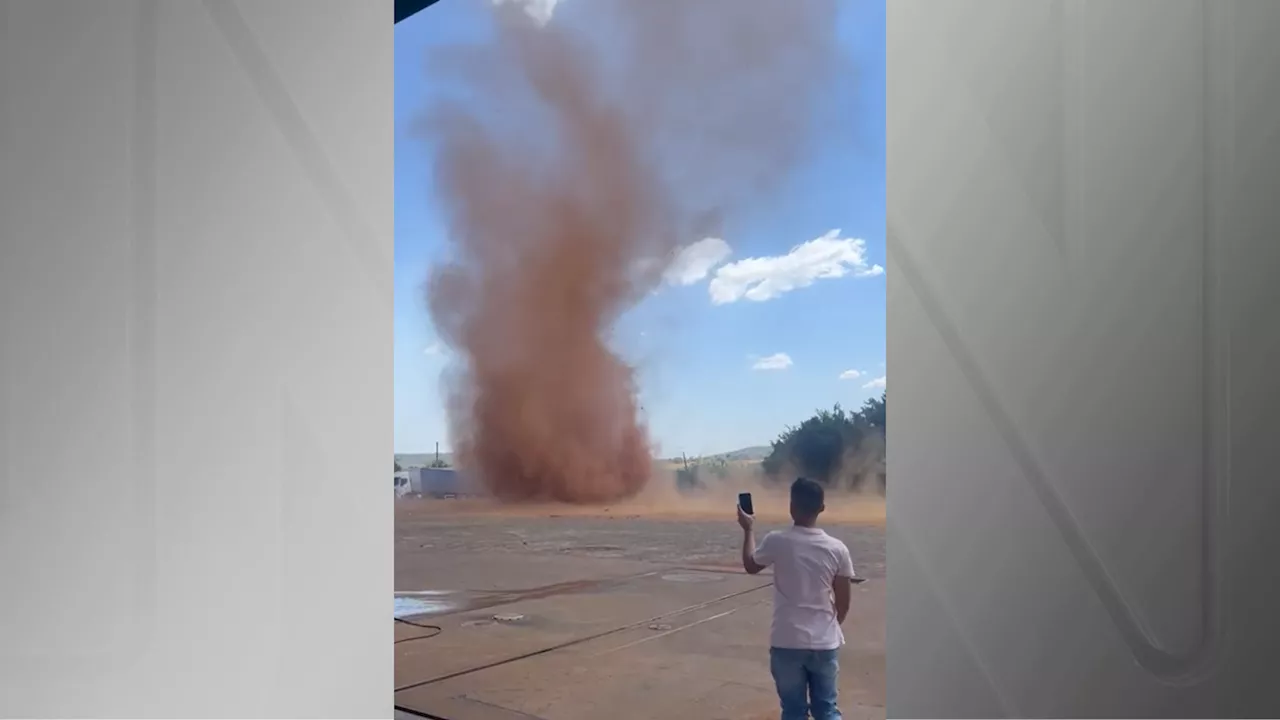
[{"x": 807, "y": 496}]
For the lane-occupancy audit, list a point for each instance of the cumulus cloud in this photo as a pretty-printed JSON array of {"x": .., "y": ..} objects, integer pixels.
[
  {"x": 877, "y": 384},
  {"x": 776, "y": 361},
  {"x": 539, "y": 10},
  {"x": 433, "y": 350},
  {"x": 695, "y": 262},
  {"x": 851, "y": 374},
  {"x": 765, "y": 278}
]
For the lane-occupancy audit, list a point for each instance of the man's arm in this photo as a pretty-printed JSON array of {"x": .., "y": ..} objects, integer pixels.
[
  {"x": 842, "y": 588},
  {"x": 749, "y": 561},
  {"x": 842, "y": 583}
]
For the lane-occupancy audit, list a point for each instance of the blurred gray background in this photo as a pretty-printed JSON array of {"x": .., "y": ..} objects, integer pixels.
[
  {"x": 195, "y": 358},
  {"x": 1082, "y": 224}
]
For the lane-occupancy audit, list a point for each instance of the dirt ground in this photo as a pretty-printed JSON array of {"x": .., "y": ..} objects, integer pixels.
[{"x": 629, "y": 613}]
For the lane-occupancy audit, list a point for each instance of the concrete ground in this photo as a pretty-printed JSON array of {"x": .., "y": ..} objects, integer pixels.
[{"x": 547, "y": 616}]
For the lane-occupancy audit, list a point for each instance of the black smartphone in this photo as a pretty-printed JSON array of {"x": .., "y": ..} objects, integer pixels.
[{"x": 744, "y": 502}]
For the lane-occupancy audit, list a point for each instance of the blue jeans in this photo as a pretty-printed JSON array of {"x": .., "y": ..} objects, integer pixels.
[{"x": 806, "y": 682}]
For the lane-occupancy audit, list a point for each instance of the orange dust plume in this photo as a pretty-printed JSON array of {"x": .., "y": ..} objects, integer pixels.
[{"x": 573, "y": 158}]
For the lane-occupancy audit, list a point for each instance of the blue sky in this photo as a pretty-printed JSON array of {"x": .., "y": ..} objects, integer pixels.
[{"x": 745, "y": 348}]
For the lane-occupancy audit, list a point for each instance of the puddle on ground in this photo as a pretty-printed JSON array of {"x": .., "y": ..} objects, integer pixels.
[{"x": 416, "y": 604}]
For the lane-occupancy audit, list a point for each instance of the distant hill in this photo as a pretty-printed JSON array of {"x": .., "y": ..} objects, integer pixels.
[{"x": 755, "y": 453}]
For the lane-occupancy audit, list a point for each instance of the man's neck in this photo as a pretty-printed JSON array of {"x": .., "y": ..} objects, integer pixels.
[{"x": 811, "y": 525}]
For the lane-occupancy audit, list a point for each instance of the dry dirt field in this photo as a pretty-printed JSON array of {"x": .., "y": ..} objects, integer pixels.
[{"x": 627, "y": 613}]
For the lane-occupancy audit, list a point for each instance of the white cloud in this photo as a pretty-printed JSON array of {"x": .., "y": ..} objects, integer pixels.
[
  {"x": 765, "y": 278},
  {"x": 877, "y": 384},
  {"x": 694, "y": 262},
  {"x": 777, "y": 361},
  {"x": 433, "y": 350},
  {"x": 539, "y": 10},
  {"x": 851, "y": 374}
]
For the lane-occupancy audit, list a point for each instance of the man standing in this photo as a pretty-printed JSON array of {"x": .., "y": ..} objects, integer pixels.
[{"x": 812, "y": 580}]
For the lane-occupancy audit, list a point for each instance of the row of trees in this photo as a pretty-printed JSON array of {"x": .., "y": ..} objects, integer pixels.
[{"x": 835, "y": 447}]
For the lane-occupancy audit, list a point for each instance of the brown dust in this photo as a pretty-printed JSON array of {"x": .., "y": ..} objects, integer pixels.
[
  {"x": 572, "y": 160},
  {"x": 662, "y": 501}
]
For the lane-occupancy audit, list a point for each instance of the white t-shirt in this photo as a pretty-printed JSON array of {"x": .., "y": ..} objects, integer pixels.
[{"x": 805, "y": 563}]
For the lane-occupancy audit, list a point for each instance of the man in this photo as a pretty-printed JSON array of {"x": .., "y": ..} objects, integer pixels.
[{"x": 812, "y": 581}]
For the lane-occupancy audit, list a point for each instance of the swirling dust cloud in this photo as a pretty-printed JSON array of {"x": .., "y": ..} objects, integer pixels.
[{"x": 572, "y": 157}]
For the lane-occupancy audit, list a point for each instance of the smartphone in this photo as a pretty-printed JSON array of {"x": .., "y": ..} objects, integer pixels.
[{"x": 744, "y": 502}]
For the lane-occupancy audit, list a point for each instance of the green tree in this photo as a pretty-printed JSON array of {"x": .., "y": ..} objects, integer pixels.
[
  {"x": 873, "y": 412},
  {"x": 817, "y": 447}
]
